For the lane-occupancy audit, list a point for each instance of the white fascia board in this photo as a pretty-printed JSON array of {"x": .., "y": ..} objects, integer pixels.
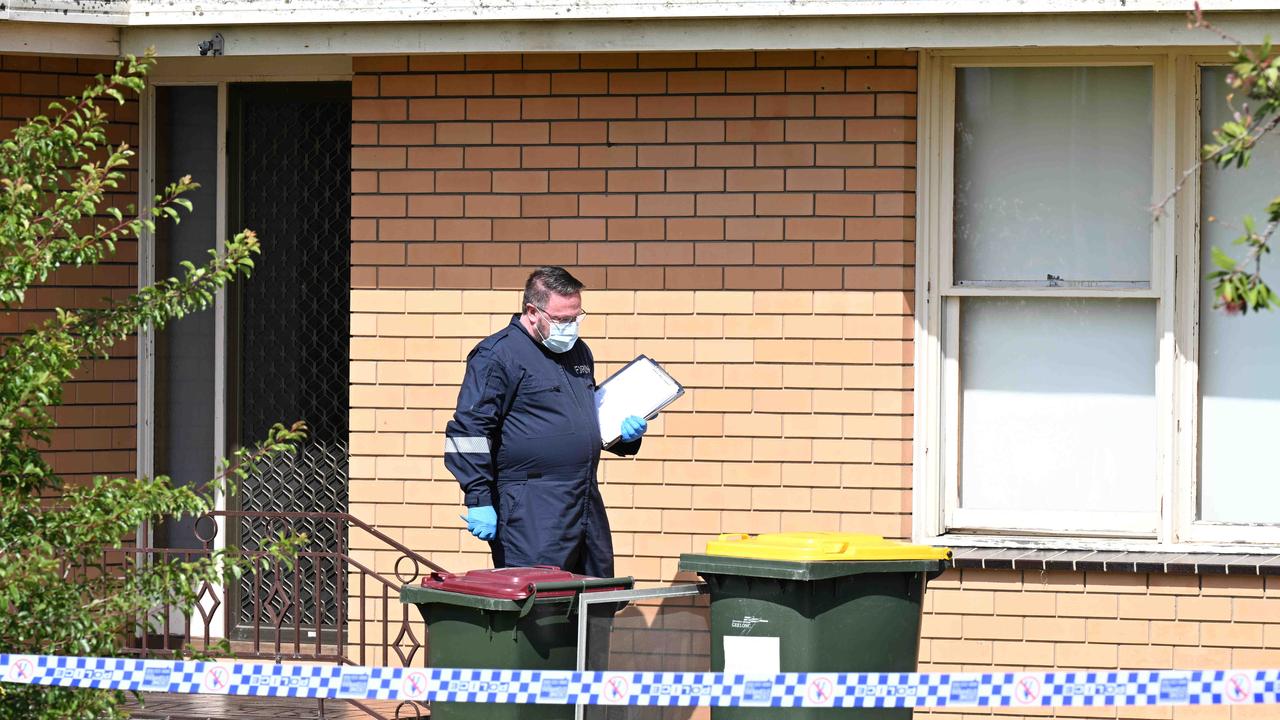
[
  {"x": 1134, "y": 30},
  {"x": 78, "y": 12},
  {"x": 49, "y": 39},
  {"x": 258, "y": 12}
]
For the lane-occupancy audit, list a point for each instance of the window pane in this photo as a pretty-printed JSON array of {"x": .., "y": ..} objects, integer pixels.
[
  {"x": 1053, "y": 174},
  {"x": 1058, "y": 407},
  {"x": 1239, "y": 355},
  {"x": 186, "y": 143}
]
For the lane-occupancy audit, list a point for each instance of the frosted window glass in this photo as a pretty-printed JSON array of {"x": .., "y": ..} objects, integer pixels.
[
  {"x": 1053, "y": 174},
  {"x": 1058, "y": 409},
  {"x": 1239, "y": 355}
]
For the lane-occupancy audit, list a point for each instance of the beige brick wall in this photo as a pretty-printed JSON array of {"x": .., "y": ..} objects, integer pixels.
[
  {"x": 745, "y": 219},
  {"x": 795, "y": 432},
  {"x": 982, "y": 619}
]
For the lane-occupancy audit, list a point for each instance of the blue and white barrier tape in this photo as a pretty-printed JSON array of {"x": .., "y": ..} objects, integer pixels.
[{"x": 999, "y": 689}]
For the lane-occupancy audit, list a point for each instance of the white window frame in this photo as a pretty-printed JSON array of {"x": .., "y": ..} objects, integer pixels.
[
  {"x": 1190, "y": 283},
  {"x": 149, "y": 185},
  {"x": 1175, "y": 281}
]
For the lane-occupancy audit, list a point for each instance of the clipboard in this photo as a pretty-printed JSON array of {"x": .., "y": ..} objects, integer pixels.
[{"x": 641, "y": 388}]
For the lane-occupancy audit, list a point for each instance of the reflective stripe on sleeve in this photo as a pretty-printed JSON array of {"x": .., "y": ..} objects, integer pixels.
[{"x": 466, "y": 445}]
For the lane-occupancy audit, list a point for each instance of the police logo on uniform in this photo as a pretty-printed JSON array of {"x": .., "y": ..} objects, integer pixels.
[{"x": 582, "y": 369}]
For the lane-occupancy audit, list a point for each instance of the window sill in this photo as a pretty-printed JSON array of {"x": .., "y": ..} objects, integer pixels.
[{"x": 971, "y": 558}]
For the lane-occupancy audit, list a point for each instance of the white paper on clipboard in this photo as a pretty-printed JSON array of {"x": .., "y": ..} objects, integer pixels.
[{"x": 641, "y": 388}]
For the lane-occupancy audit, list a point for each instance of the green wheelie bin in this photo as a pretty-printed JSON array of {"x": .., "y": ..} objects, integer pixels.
[
  {"x": 815, "y": 602},
  {"x": 509, "y": 619}
]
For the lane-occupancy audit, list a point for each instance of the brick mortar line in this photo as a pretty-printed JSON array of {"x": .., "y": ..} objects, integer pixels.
[
  {"x": 509, "y": 120},
  {"x": 410, "y": 72},
  {"x": 695, "y": 94},
  {"x": 646, "y": 70}
]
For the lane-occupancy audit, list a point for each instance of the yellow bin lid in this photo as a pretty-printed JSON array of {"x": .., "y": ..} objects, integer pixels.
[{"x": 821, "y": 546}]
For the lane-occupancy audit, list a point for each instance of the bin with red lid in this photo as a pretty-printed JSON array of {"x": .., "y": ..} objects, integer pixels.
[{"x": 508, "y": 618}]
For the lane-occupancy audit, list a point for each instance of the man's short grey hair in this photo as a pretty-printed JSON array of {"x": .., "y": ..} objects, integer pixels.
[{"x": 547, "y": 280}]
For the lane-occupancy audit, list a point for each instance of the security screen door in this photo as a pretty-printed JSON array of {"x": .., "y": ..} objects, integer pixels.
[{"x": 289, "y": 179}]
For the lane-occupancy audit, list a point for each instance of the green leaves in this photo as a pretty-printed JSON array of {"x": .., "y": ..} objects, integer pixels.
[
  {"x": 1223, "y": 260},
  {"x": 55, "y": 170},
  {"x": 66, "y": 584},
  {"x": 1255, "y": 79}
]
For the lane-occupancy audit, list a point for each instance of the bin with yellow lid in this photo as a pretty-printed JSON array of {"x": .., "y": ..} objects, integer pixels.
[{"x": 815, "y": 602}]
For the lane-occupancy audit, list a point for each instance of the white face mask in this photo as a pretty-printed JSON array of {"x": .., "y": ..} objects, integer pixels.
[{"x": 562, "y": 336}]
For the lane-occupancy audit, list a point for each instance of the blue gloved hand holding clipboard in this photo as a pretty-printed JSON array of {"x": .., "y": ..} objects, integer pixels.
[
  {"x": 633, "y": 428},
  {"x": 629, "y": 397}
]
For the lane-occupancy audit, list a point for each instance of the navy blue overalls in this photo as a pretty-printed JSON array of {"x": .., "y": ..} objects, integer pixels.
[{"x": 525, "y": 439}]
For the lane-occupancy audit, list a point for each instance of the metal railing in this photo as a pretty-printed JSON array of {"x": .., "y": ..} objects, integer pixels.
[{"x": 331, "y": 606}]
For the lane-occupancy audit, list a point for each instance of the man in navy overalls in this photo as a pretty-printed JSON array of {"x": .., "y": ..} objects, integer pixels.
[{"x": 525, "y": 441}]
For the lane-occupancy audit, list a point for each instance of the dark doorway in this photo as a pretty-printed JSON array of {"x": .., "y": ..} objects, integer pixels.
[{"x": 289, "y": 179}]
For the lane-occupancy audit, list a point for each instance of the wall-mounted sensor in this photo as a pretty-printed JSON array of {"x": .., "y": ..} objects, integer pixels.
[{"x": 212, "y": 46}]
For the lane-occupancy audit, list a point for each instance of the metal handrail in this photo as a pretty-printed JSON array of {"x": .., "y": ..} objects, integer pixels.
[
  {"x": 345, "y": 517},
  {"x": 366, "y": 600}
]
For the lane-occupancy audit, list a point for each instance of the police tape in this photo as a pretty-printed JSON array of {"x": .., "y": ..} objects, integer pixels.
[{"x": 563, "y": 687}]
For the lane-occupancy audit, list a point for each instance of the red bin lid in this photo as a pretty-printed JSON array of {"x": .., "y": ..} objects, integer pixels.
[{"x": 515, "y": 583}]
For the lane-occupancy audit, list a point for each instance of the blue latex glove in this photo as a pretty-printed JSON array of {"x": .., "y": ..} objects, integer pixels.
[
  {"x": 633, "y": 428},
  {"x": 482, "y": 521}
]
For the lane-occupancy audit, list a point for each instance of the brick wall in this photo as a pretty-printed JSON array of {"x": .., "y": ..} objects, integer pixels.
[
  {"x": 745, "y": 219},
  {"x": 976, "y": 620},
  {"x": 96, "y": 433}
]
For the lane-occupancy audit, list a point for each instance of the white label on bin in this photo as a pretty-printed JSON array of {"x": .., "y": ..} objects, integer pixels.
[{"x": 752, "y": 654}]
